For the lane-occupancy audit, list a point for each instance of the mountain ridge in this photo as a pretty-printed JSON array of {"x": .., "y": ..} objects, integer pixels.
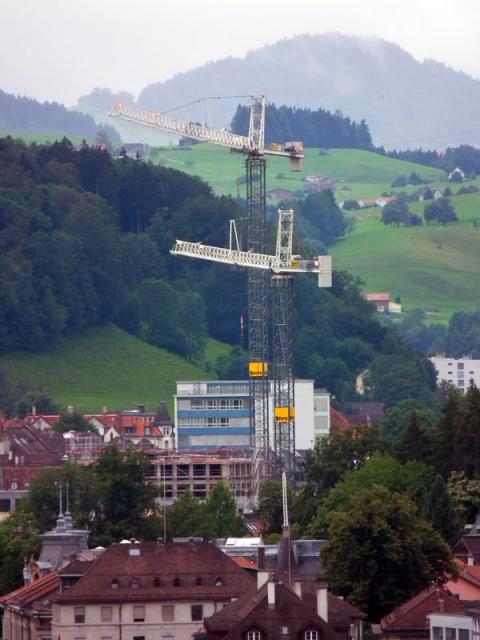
[{"x": 404, "y": 101}]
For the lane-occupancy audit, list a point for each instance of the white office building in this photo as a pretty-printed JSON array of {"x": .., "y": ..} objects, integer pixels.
[
  {"x": 216, "y": 413},
  {"x": 459, "y": 372}
]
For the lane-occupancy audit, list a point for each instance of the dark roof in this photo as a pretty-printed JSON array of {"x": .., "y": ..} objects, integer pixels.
[
  {"x": 252, "y": 611},
  {"x": 412, "y": 615},
  {"x": 201, "y": 569},
  {"x": 162, "y": 417},
  {"x": 467, "y": 545},
  {"x": 364, "y": 412}
]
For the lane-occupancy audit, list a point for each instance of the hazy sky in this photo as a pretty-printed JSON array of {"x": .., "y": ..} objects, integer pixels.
[{"x": 61, "y": 49}]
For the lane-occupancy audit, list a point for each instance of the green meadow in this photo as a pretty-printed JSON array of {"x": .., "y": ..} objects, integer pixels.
[
  {"x": 106, "y": 366},
  {"x": 430, "y": 267}
]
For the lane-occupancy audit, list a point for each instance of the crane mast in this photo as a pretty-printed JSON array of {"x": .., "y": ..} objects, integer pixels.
[
  {"x": 253, "y": 146},
  {"x": 283, "y": 264}
]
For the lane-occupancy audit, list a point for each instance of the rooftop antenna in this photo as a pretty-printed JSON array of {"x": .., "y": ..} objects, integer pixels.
[
  {"x": 286, "y": 525},
  {"x": 68, "y": 516},
  {"x": 60, "y": 519}
]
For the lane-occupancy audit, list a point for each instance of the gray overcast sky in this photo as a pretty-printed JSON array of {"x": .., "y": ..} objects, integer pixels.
[{"x": 61, "y": 49}]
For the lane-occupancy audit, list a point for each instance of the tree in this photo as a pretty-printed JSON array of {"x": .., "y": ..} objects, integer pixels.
[
  {"x": 397, "y": 417},
  {"x": 73, "y": 422},
  {"x": 465, "y": 496},
  {"x": 380, "y": 553},
  {"x": 186, "y": 517},
  {"x": 441, "y": 513},
  {"x": 221, "y": 513},
  {"x": 125, "y": 499},
  {"x": 19, "y": 539},
  {"x": 441, "y": 210},
  {"x": 413, "y": 479},
  {"x": 270, "y": 508},
  {"x": 466, "y": 440},
  {"x": 415, "y": 442},
  {"x": 395, "y": 213},
  {"x": 232, "y": 366},
  {"x": 331, "y": 458},
  {"x": 444, "y": 457},
  {"x": 400, "y": 181}
]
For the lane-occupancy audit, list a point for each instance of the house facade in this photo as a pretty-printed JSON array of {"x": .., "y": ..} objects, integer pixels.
[
  {"x": 149, "y": 591},
  {"x": 458, "y": 371}
]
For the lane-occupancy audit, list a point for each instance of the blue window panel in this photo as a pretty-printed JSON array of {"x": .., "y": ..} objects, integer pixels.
[
  {"x": 213, "y": 413},
  {"x": 213, "y": 431}
]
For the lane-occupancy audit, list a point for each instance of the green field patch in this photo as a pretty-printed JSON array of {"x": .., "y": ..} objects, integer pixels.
[
  {"x": 428, "y": 267},
  {"x": 104, "y": 366}
]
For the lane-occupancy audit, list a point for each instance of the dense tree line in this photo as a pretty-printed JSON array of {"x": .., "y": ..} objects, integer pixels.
[
  {"x": 19, "y": 113},
  {"x": 460, "y": 337},
  {"x": 466, "y": 157},
  {"x": 318, "y": 128}
]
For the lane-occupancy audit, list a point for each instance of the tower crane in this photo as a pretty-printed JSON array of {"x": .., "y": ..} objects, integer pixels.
[
  {"x": 253, "y": 146},
  {"x": 283, "y": 264}
]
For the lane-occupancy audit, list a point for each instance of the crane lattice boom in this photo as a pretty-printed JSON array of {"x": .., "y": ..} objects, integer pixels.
[{"x": 251, "y": 144}]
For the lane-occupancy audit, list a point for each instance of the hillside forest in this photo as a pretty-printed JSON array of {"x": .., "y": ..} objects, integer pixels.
[{"x": 85, "y": 240}]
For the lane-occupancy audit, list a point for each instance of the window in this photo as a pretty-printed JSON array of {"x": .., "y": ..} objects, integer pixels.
[
  {"x": 139, "y": 614},
  {"x": 450, "y": 633},
  {"x": 138, "y": 637},
  {"x": 460, "y": 365},
  {"x": 106, "y": 614},
  {"x": 463, "y": 634},
  {"x": 135, "y": 584},
  {"x": 156, "y": 582},
  {"x": 311, "y": 635},
  {"x": 79, "y": 615},
  {"x": 437, "y": 633},
  {"x": 168, "y": 613},
  {"x": 254, "y": 635},
  {"x": 218, "y": 582},
  {"x": 114, "y": 583},
  {"x": 176, "y": 582},
  {"x": 197, "y": 612},
  {"x": 198, "y": 581}
]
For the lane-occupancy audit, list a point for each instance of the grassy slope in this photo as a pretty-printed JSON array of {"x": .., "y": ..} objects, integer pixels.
[
  {"x": 41, "y": 138},
  {"x": 427, "y": 266},
  {"x": 366, "y": 174},
  {"x": 105, "y": 366}
]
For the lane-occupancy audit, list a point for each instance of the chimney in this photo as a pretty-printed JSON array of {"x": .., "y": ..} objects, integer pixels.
[
  {"x": 262, "y": 578},
  {"x": 34, "y": 410},
  {"x": 322, "y": 601},
  {"x": 271, "y": 595},
  {"x": 297, "y": 587},
  {"x": 261, "y": 558}
]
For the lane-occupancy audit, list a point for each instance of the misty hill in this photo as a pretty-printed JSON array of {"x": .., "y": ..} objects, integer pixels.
[
  {"x": 405, "y": 102},
  {"x": 26, "y": 115},
  {"x": 100, "y": 101}
]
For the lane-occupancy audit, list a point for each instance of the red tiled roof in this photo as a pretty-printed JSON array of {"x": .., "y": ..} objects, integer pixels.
[
  {"x": 244, "y": 563},
  {"x": 32, "y": 592},
  {"x": 339, "y": 421},
  {"x": 377, "y": 297},
  {"x": 412, "y": 615}
]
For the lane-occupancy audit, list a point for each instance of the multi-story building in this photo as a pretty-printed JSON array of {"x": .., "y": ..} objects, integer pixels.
[
  {"x": 211, "y": 414},
  {"x": 216, "y": 413},
  {"x": 150, "y": 591},
  {"x": 179, "y": 471},
  {"x": 458, "y": 371}
]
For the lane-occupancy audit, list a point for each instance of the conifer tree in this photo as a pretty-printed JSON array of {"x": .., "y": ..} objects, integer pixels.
[{"x": 440, "y": 511}]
